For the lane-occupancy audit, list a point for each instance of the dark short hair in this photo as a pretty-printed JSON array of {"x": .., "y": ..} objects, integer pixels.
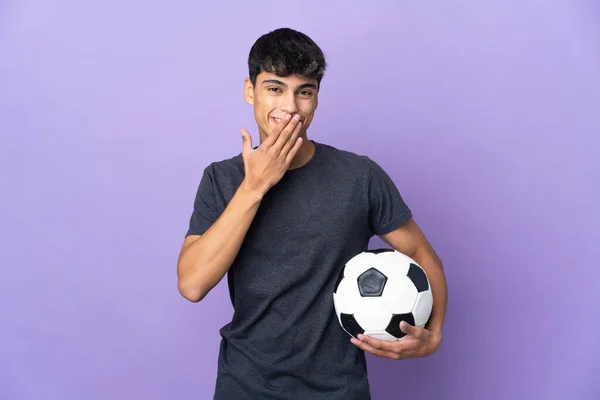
[{"x": 286, "y": 52}]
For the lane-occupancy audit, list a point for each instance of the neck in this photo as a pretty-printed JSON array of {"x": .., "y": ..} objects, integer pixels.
[{"x": 304, "y": 155}]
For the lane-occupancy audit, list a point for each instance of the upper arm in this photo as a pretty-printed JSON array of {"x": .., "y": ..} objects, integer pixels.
[
  {"x": 410, "y": 240},
  {"x": 206, "y": 208},
  {"x": 386, "y": 207},
  {"x": 187, "y": 242}
]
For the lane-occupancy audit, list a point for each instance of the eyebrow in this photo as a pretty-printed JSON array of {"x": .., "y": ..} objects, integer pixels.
[{"x": 280, "y": 83}]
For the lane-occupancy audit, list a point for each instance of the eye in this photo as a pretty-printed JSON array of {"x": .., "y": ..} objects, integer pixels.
[
  {"x": 274, "y": 89},
  {"x": 306, "y": 93}
]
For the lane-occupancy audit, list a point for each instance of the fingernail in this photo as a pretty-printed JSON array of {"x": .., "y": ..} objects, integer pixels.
[
  {"x": 288, "y": 116},
  {"x": 296, "y": 117}
]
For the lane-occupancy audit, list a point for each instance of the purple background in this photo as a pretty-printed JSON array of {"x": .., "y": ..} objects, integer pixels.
[{"x": 486, "y": 115}]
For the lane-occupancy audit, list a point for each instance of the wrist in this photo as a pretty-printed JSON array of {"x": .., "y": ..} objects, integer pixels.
[
  {"x": 435, "y": 329},
  {"x": 436, "y": 335},
  {"x": 250, "y": 192}
]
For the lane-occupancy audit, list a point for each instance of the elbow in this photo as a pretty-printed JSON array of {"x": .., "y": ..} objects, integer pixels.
[{"x": 192, "y": 293}]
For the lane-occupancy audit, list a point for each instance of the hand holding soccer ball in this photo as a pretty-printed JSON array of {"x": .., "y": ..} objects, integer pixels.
[{"x": 383, "y": 299}]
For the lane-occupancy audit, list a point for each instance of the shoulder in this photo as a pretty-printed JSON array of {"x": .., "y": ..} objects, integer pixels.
[
  {"x": 228, "y": 167},
  {"x": 222, "y": 177},
  {"x": 361, "y": 169},
  {"x": 347, "y": 160}
]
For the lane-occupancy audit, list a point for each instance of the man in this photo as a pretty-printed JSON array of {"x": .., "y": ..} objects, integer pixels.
[{"x": 281, "y": 220}]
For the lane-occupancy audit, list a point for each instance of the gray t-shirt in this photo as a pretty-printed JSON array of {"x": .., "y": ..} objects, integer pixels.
[{"x": 284, "y": 340}]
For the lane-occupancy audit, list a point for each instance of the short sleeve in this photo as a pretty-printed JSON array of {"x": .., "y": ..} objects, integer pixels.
[
  {"x": 205, "y": 211},
  {"x": 387, "y": 209}
]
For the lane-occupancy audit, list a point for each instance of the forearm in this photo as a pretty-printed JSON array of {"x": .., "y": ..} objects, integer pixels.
[
  {"x": 437, "y": 279},
  {"x": 204, "y": 262}
]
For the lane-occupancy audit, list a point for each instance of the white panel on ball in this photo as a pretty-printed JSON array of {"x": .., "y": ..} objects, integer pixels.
[
  {"x": 381, "y": 335},
  {"x": 372, "y": 313},
  {"x": 358, "y": 264},
  {"x": 347, "y": 298},
  {"x": 400, "y": 295},
  {"x": 423, "y": 308},
  {"x": 392, "y": 263}
]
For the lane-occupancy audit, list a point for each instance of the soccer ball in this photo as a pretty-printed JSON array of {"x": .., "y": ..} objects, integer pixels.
[{"x": 377, "y": 289}]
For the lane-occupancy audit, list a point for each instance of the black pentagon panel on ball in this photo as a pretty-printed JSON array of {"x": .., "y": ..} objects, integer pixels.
[
  {"x": 378, "y": 251},
  {"x": 393, "y": 327},
  {"x": 418, "y": 277},
  {"x": 371, "y": 283},
  {"x": 351, "y": 325}
]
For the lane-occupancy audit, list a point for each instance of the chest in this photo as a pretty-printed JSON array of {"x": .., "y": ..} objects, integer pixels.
[
  {"x": 302, "y": 211},
  {"x": 302, "y": 233}
]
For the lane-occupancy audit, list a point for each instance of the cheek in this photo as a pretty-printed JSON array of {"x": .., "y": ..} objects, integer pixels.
[
  {"x": 267, "y": 102},
  {"x": 308, "y": 113},
  {"x": 262, "y": 111}
]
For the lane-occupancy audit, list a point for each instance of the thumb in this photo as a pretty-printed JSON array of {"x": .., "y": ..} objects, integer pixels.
[
  {"x": 406, "y": 327},
  {"x": 247, "y": 140}
]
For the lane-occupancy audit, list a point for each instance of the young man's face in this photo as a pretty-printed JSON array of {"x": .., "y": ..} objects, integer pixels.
[{"x": 273, "y": 97}]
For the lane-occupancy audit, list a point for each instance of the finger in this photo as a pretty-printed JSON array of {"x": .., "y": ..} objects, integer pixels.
[
  {"x": 247, "y": 141},
  {"x": 402, "y": 347},
  {"x": 285, "y": 134},
  {"x": 361, "y": 344},
  {"x": 294, "y": 150},
  {"x": 276, "y": 132},
  {"x": 292, "y": 140},
  {"x": 407, "y": 345},
  {"x": 412, "y": 330},
  {"x": 377, "y": 344}
]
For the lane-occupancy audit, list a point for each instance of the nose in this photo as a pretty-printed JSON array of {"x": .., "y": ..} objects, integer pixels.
[{"x": 289, "y": 103}]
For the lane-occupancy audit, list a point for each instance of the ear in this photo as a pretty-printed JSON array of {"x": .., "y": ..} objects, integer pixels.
[{"x": 249, "y": 91}]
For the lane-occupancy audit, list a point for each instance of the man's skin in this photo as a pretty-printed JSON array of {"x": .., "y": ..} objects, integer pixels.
[{"x": 284, "y": 108}]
